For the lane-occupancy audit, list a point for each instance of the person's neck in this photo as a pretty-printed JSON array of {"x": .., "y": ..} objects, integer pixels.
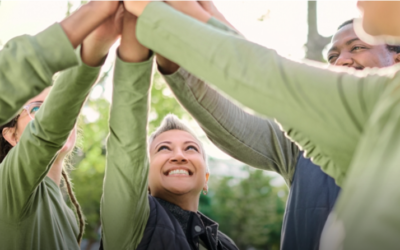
[
  {"x": 56, "y": 169},
  {"x": 186, "y": 201}
]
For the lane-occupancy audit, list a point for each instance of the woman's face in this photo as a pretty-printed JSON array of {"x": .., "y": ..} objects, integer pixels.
[
  {"x": 177, "y": 165},
  {"x": 14, "y": 135}
]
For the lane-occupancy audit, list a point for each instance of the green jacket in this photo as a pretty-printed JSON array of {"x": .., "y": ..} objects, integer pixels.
[
  {"x": 124, "y": 206},
  {"x": 345, "y": 120},
  {"x": 27, "y": 64},
  {"x": 33, "y": 214}
]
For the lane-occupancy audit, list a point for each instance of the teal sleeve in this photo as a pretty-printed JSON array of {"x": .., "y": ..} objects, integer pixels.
[
  {"x": 322, "y": 110},
  {"x": 28, "y": 163},
  {"x": 249, "y": 138},
  {"x": 124, "y": 205},
  {"x": 27, "y": 64}
]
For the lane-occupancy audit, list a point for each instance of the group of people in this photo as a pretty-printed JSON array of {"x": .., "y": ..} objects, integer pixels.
[{"x": 331, "y": 132}]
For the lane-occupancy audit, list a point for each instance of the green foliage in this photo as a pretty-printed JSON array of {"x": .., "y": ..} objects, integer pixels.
[{"x": 250, "y": 211}]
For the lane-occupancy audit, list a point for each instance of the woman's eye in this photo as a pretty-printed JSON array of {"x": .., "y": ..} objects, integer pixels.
[
  {"x": 34, "y": 110},
  {"x": 162, "y": 148},
  {"x": 192, "y": 148}
]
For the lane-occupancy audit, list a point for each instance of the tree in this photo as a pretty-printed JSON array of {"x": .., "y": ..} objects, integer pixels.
[
  {"x": 315, "y": 42},
  {"x": 249, "y": 210}
]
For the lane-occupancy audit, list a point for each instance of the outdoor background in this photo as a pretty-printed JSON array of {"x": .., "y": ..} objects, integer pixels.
[{"x": 247, "y": 203}]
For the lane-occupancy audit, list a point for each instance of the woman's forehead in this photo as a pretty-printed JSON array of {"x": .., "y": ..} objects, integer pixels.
[{"x": 174, "y": 136}]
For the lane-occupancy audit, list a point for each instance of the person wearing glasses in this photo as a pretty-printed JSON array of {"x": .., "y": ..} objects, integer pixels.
[{"x": 33, "y": 145}]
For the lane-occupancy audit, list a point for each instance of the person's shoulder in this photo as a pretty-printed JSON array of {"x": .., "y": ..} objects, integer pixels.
[{"x": 227, "y": 243}]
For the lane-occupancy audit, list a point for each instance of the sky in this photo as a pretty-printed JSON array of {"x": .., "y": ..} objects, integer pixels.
[{"x": 284, "y": 28}]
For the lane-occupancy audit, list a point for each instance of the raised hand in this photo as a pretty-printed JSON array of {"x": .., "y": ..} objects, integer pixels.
[
  {"x": 95, "y": 47},
  {"x": 136, "y": 7},
  {"x": 130, "y": 49},
  {"x": 83, "y": 21}
]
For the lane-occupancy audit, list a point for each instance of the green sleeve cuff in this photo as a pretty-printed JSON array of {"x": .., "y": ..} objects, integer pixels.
[{"x": 55, "y": 49}]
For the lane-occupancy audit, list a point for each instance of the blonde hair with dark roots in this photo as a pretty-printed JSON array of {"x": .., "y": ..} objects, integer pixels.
[
  {"x": 172, "y": 122},
  {"x": 5, "y": 147}
]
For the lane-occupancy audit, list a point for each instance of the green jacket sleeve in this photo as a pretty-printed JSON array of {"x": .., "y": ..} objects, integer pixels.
[
  {"x": 27, "y": 64},
  {"x": 28, "y": 163},
  {"x": 124, "y": 205},
  {"x": 322, "y": 110},
  {"x": 253, "y": 140}
]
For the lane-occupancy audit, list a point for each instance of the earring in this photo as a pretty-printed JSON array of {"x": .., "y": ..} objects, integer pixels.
[{"x": 205, "y": 191}]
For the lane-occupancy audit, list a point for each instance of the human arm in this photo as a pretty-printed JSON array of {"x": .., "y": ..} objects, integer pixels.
[
  {"x": 27, "y": 63},
  {"x": 124, "y": 205},
  {"x": 322, "y": 110},
  {"x": 32, "y": 158},
  {"x": 251, "y": 139}
]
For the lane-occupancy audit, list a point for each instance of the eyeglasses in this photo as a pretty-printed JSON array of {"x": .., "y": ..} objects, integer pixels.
[{"x": 32, "y": 108}]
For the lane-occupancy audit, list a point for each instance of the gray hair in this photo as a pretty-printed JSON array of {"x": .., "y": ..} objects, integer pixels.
[{"x": 172, "y": 122}]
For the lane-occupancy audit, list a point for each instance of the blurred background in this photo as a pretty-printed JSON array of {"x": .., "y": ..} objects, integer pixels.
[{"x": 248, "y": 204}]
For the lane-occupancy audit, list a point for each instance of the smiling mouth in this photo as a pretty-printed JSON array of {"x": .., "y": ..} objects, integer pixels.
[{"x": 178, "y": 172}]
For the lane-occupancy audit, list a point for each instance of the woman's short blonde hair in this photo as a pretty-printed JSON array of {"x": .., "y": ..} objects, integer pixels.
[{"x": 172, "y": 122}]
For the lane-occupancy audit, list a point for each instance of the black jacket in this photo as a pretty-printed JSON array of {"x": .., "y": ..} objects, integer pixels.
[{"x": 171, "y": 228}]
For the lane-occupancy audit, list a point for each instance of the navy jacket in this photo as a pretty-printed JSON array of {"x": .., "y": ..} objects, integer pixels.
[{"x": 312, "y": 197}]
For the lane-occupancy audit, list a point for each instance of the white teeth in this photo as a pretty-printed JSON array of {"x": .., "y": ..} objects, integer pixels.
[{"x": 179, "y": 171}]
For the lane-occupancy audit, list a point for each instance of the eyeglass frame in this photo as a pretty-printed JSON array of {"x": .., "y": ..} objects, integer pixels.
[{"x": 27, "y": 107}]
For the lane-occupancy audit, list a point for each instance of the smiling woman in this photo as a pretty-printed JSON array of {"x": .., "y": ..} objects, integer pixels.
[{"x": 173, "y": 166}]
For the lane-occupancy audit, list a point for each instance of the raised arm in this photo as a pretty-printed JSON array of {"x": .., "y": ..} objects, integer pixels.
[
  {"x": 124, "y": 205},
  {"x": 27, "y": 63},
  {"x": 28, "y": 163},
  {"x": 253, "y": 140},
  {"x": 322, "y": 110}
]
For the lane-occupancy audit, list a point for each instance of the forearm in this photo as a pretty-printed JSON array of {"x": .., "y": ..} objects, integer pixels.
[
  {"x": 27, "y": 65},
  {"x": 82, "y": 22},
  {"x": 124, "y": 205},
  {"x": 30, "y": 160}
]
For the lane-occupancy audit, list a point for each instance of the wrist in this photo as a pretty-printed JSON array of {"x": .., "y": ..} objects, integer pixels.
[
  {"x": 102, "y": 12},
  {"x": 93, "y": 56}
]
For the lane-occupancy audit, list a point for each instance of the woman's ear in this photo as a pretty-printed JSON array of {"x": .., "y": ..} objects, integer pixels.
[
  {"x": 9, "y": 136},
  {"x": 206, "y": 182}
]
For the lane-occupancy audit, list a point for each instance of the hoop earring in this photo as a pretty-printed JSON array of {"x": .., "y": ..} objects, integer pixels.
[{"x": 205, "y": 191}]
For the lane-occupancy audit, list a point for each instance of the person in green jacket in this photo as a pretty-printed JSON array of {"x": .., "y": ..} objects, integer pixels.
[
  {"x": 171, "y": 165},
  {"x": 33, "y": 145},
  {"x": 351, "y": 127}
]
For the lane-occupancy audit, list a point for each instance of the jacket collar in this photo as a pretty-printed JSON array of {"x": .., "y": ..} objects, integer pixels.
[{"x": 194, "y": 224}]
